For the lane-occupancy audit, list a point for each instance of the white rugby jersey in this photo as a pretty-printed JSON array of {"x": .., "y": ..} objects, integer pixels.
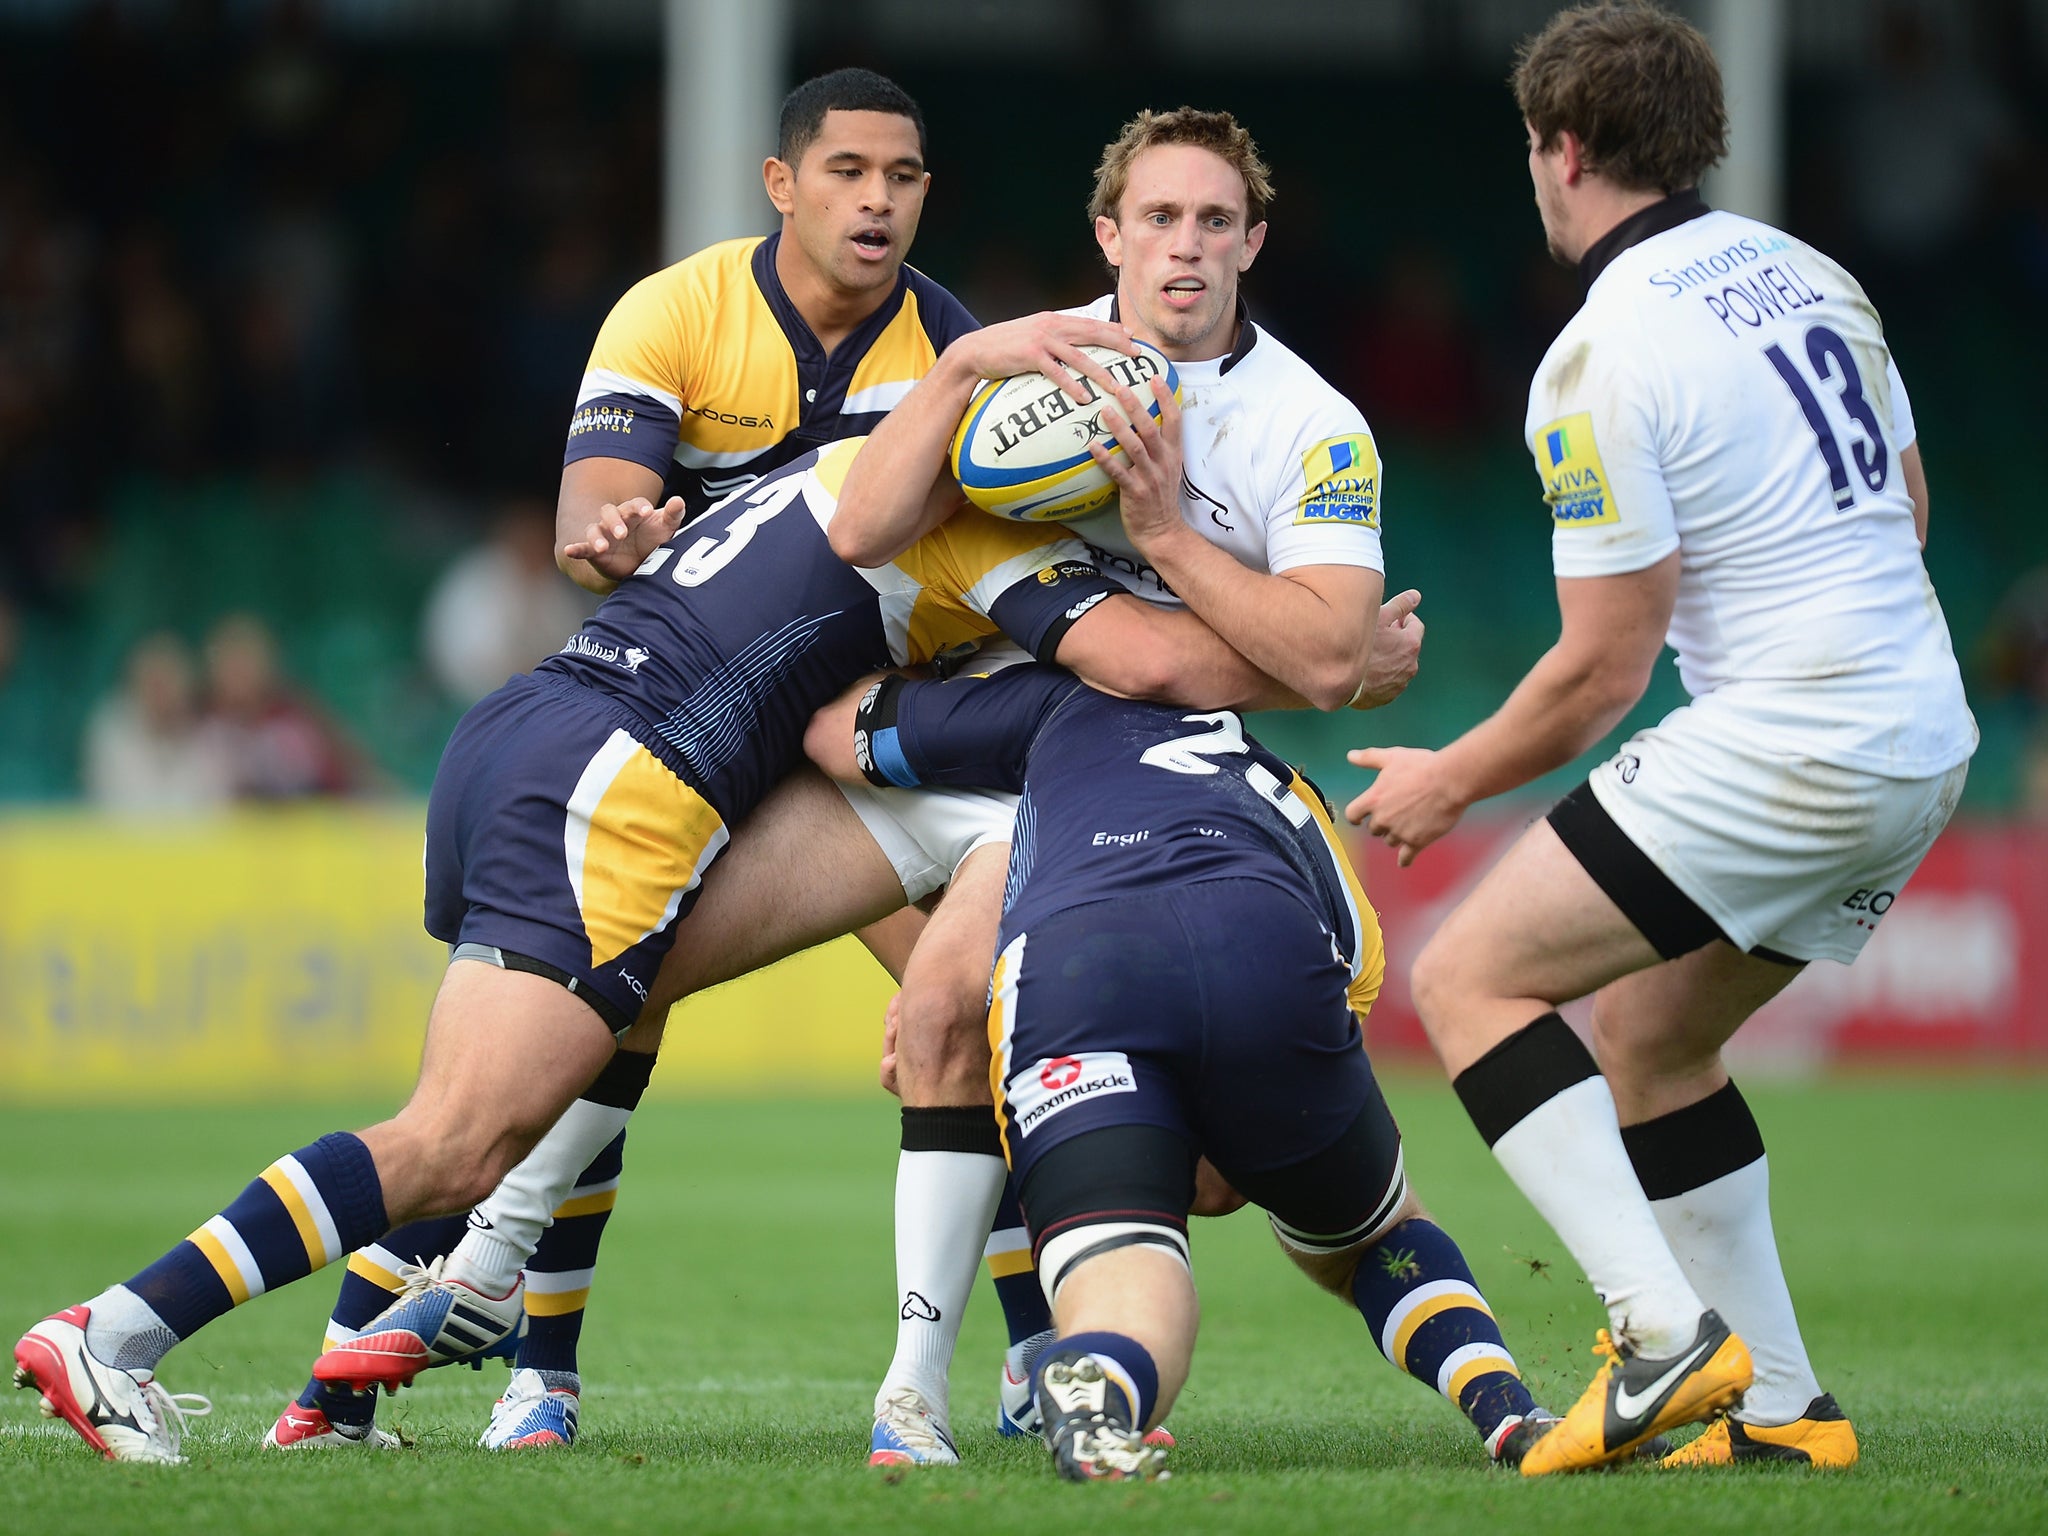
[
  {"x": 1726, "y": 392},
  {"x": 1280, "y": 469}
]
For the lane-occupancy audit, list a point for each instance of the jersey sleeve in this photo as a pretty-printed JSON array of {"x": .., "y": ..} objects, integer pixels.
[
  {"x": 1326, "y": 488},
  {"x": 980, "y": 572},
  {"x": 1593, "y": 431},
  {"x": 1904, "y": 433},
  {"x": 972, "y": 732},
  {"x": 630, "y": 404}
]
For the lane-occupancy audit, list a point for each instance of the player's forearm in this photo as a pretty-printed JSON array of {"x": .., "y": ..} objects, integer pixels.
[
  {"x": 1135, "y": 650},
  {"x": 569, "y": 528},
  {"x": 886, "y": 504},
  {"x": 1564, "y": 706},
  {"x": 1285, "y": 630}
]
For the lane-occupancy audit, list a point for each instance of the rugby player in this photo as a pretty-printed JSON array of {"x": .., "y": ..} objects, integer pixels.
[
  {"x": 1184, "y": 967},
  {"x": 572, "y": 819},
  {"x": 1729, "y": 459},
  {"x": 1264, "y": 518},
  {"x": 705, "y": 376}
]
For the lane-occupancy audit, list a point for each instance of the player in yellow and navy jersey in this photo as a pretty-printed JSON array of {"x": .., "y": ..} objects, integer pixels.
[
  {"x": 707, "y": 374},
  {"x": 1184, "y": 963},
  {"x": 572, "y": 821}
]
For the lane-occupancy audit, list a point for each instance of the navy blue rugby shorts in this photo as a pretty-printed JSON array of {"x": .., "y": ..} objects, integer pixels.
[
  {"x": 1218, "y": 1011},
  {"x": 555, "y": 835}
]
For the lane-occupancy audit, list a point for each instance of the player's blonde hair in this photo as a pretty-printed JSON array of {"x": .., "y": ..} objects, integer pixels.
[
  {"x": 1218, "y": 132},
  {"x": 1636, "y": 84}
]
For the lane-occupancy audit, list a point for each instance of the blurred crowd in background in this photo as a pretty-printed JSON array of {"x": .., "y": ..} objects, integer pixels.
[{"x": 291, "y": 324}]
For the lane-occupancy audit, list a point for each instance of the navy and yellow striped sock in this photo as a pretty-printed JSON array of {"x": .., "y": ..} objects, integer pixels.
[
  {"x": 1125, "y": 1362},
  {"x": 1016, "y": 1279},
  {"x": 1424, "y": 1308},
  {"x": 301, "y": 1214},
  {"x": 558, "y": 1275},
  {"x": 368, "y": 1286}
]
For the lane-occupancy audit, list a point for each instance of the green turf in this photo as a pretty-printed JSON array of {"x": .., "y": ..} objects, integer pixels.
[{"x": 742, "y": 1320}]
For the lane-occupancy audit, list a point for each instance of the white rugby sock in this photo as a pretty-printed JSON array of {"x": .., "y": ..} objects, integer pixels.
[
  {"x": 1541, "y": 1102},
  {"x": 944, "y": 1204},
  {"x": 1704, "y": 1168},
  {"x": 1721, "y": 1232},
  {"x": 523, "y": 1205}
]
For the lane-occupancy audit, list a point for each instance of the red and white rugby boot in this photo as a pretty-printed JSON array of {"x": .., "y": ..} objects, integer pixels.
[{"x": 124, "y": 1415}]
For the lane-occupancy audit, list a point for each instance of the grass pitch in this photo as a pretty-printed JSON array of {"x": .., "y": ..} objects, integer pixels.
[{"x": 742, "y": 1312}]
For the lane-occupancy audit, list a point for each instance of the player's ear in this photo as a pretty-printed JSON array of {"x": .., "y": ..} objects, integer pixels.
[
  {"x": 779, "y": 178},
  {"x": 1254, "y": 238},
  {"x": 1572, "y": 162},
  {"x": 1110, "y": 238}
]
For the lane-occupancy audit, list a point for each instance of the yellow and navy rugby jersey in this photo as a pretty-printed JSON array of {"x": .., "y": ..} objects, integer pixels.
[
  {"x": 729, "y": 637},
  {"x": 706, "y": 374},
  {"x": 1121, "y": 797}
]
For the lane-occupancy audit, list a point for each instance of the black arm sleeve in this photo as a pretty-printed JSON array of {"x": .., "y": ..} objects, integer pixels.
[{"x": 1038, "y": 613}]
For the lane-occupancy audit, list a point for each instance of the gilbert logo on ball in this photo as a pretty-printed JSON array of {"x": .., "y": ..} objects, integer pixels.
[{"x": 1021, "y": 451}]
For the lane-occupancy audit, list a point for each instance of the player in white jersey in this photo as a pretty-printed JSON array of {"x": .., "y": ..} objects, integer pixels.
[
  {"x": 1728, "y": 457},
  {"x": 1266, "y": 523}
]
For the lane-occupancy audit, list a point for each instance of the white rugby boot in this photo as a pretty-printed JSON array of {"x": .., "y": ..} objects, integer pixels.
[{"x": 124, "y": 1415}]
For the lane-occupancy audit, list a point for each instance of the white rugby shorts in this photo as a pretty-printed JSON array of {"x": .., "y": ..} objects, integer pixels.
[
  {"x": 928, "y": 833},
  {"x": 1789, "y": 855}
]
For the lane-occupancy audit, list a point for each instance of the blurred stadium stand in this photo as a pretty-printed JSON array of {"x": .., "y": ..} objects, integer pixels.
[
  {"x": 292, "y": 294},
  {"x": 294, "y": 298}
]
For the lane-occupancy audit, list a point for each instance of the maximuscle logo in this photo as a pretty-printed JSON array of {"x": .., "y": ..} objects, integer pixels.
[
  {"x": 1574, "y": 479},
  {"x": 1054, "y": 1083}
]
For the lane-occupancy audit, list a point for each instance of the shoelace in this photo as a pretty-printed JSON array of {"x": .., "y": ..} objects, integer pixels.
[
  {"x": 172, "y": 1409},
  {"x": 1603, "y": 1344},
  {"x": 415, "y": 1280},
  {"x": 907, "y": 1415}
]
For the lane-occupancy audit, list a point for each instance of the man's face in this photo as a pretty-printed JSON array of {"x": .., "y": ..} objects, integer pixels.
[
  {"x": 853, "y": 199},
  {"x": 1178, "y": 243},
  {"x": 1546, "y": 175}
]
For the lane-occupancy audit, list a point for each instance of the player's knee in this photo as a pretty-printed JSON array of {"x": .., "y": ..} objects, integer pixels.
[
  {"x": 942, "y": 1036},
  {"x": 1632, "y": 1049},
  {"x": 454, "y": 1156},
  {"x": 1433, "y": 984}
]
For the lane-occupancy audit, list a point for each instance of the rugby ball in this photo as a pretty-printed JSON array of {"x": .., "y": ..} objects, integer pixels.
[{"x": 1021, "y": 451}]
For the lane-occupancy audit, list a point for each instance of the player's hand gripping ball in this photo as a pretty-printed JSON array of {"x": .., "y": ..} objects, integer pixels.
[{"x": 1021, "y": 451}]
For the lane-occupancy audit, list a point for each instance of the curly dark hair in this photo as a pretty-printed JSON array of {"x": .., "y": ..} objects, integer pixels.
[{"x": 1637, "y": 85}]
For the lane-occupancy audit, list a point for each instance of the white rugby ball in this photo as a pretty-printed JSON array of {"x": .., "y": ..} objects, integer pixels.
[{"x": 1021, "y": 451}]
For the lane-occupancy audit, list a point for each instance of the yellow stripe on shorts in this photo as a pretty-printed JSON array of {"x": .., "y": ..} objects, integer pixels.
[
  {"x": 637, "y": 840},
  {"x": 1002, "y": 1000}
]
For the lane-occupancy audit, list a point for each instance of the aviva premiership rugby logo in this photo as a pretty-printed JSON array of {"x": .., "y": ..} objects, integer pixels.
[
  {"x": 1340, "y": 483},
  {"x": 1574, "y": 479}
]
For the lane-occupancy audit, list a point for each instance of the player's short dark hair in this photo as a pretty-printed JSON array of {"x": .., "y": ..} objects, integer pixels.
[
  {"x": 1218, "y": 132},
  {"x": 843, "y": 90},
  {"x": 1636, "y": 84}
]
